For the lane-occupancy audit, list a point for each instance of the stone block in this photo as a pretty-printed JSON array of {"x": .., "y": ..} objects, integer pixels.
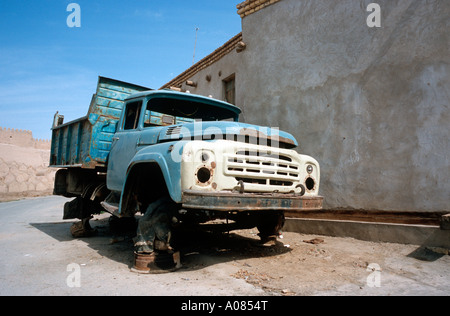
[
  {"x": 3, "y": 188},
  {"x": 17, "y": 187},
  {"x": 4, "y": 169},
  {"x": 10, "y": 178},
  {"x": 445, "y": 222},
  {"x": 41, "y": 187}
]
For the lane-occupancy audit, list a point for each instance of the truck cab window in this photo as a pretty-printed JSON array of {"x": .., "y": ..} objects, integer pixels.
[
  {"x": 132, "y": 113},
  {"x": 162, "y": 111}
]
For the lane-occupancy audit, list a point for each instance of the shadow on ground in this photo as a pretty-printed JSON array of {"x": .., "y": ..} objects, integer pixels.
[
  {"x": 198, "y": 248},
  {"x": 425, "y": 254}
]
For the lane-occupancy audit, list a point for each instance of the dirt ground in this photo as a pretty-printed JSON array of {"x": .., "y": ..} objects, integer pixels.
[
  {"x": 295, "y": 266},
  {"x": 301, "y": 265}
]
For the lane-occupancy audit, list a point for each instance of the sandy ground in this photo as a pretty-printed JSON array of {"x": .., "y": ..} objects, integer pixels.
[
  {"x": 301, "y": 264},
  {"x": 39, "y": 257}
]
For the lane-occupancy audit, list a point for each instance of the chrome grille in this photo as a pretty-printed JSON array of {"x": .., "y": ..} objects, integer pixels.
[
  {"x": 172, "y": 130},
  {"x": 262, "y": 168}
]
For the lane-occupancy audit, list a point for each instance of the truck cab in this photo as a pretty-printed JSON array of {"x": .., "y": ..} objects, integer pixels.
[
  {"x": 207, "y": 159},
  {"x": 176, "y": 158}
]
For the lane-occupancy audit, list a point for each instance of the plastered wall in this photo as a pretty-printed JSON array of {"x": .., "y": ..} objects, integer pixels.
[{"x": 371, "y": 104}]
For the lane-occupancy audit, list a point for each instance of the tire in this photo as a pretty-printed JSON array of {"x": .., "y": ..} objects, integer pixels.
[
  {"x": 154, "y": 228},
  {"x": 270, "y": 224}
]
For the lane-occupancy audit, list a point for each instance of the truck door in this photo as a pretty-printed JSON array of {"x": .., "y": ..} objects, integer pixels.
[{"x": 124, "y": 145}]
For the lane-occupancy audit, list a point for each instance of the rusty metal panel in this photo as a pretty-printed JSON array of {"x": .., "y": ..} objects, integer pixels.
[
  {"x": 230, "y": 201},
  {"x": 86, "y": 142},
  {"x": 70, "y": 143}
]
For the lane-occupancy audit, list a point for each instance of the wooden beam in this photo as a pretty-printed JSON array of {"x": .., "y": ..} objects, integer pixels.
[{"x": 393, "y": 217}]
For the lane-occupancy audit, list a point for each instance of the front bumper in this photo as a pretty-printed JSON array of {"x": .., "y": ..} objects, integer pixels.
[{"x": 230, "y": 201}]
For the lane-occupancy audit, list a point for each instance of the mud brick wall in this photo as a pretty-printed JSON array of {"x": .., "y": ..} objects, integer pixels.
[{"x": 24, "y": 165}]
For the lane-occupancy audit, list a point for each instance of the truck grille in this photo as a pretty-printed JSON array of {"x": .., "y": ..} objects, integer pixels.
[
  {"x": 173, "y": 130},
  {"x": 263, "y": 169}
]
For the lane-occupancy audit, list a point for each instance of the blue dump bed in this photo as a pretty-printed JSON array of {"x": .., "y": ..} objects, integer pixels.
[{"x": 86, "y": 142}]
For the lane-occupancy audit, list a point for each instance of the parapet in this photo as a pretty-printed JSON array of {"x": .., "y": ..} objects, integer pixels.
[{"x": 22, "y": 138}]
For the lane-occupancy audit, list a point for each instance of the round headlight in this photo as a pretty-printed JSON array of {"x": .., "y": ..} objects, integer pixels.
[
  {"x": 203, "y": 175},
  {"x": 310, "y": 183},
  {"x": 309, "y": 169}
]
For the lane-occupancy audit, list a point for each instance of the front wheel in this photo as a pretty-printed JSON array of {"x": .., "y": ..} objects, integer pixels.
[
  {"x": 154, "y": 242},
  {"x": 154, "y": 229}
]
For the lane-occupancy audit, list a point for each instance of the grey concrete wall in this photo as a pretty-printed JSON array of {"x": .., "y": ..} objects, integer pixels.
[{"x": 371, "y": 104}]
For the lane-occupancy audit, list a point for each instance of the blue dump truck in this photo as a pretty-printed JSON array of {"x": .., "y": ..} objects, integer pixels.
[{"x": 165, "y": 159}]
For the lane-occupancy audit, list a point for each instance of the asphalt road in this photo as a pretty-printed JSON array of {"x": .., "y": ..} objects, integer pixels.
[{"x": 40, "y": 257}]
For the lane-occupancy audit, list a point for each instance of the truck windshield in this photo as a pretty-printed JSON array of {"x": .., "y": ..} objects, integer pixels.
[{"x": 165, "y": 111}]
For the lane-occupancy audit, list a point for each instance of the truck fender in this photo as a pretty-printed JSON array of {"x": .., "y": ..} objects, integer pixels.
[{"x": 148, "y": 177}]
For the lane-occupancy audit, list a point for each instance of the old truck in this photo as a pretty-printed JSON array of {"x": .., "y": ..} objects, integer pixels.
[{"x": 173, "y": 158}]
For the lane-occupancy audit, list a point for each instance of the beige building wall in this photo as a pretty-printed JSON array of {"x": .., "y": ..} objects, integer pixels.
[
  {"x": 207, "y": 76},
  {"x": 370, "y": 104}
]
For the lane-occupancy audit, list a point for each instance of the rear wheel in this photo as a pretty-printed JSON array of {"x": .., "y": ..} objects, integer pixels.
[
  {"x": 82, "y": 229},
  {"x": 270, "y": 225},
  {"x": 83, "y": 209}
]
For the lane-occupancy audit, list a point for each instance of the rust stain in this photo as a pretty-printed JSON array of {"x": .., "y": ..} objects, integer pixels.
[{"x": 234, "y": 201}]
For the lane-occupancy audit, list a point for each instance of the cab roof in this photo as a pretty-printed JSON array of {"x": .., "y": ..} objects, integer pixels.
[{"x": 170, "y": 94}]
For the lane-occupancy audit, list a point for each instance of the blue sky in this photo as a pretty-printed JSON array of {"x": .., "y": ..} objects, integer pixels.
[{"x": 45, "y": 66}]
